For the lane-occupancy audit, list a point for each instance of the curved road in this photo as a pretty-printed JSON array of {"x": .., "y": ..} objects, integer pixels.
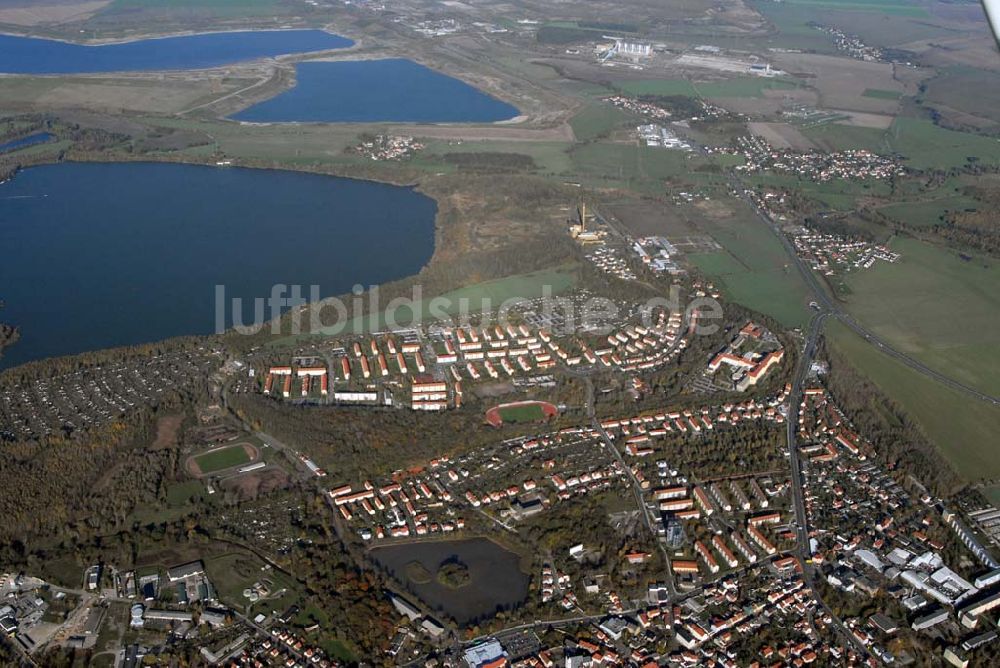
[{"x": 828, "y": 305}]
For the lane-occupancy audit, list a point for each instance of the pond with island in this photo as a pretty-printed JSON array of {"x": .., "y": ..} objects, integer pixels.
[{"x": 467, "y": 580}]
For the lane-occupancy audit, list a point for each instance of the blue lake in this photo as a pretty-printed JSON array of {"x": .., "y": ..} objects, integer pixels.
[
  {"x": 101, "y": 255},
  {"x": 23, "y": 142},
  {"x": 27, "y": 55},
  {"x": 391, "y": 90}
]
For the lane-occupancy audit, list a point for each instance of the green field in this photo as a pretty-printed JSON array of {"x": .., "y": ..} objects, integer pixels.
[
  {"x": 214, "y": 6},
  {"x": 528, "y": 413},
  {"x": 880, "y": 94},
  {"x": 606, "y": 164},
  {"x": 840, "y": 137},
  {"x": 742, "y": 87},
  {"x": 962, "y": 428},
  {"x": 550, "y": 157},
  {"x": 932, "y": 304},
  {"x": 233, "y": 572},
  {"x": 598, "y": 120},
  {"x": 926, "y": 213},
  {"x": 992, "y": 494},
  {"x": 891, "y": 7},
  {"x": 951, "y": 87},
  {"x": 753, "y": 269},
  {"x": 927, "y": 146},
  {"x": 223, "y": 458}
]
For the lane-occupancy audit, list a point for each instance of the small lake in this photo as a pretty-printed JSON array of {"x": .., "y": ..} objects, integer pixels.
[
  {"x": 101, "y": 255},
  {"x": 372, "y": 91},
  {"x": 496, "y": 579},
  {"x": 24, "y": 142},
  {"x": 29, "y": 55}
]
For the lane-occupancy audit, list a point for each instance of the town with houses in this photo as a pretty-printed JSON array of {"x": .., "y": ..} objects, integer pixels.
[
  {"x": 704, "y": 559},
  {"x": 711, "y": 565},
  {"x": 597, "y": 477}
]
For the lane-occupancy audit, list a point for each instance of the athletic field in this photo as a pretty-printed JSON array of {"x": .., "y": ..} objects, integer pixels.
[{"x": 223, "y": 458}]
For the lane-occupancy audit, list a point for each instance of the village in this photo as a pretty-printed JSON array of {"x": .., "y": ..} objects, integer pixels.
[{"x": 819, "y": 166}]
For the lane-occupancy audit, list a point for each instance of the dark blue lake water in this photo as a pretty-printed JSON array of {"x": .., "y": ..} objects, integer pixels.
[
  {"x": 26, "y": 55},
  {"x": 394, "y": 90},
  {"x": 24, "y": 142},
  {"x": 101, "y": 255}
]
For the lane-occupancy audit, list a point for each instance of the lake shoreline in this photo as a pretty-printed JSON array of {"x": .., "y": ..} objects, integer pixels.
[
  {"x": 42, "y": 56},
  {"x": 335, "y": 272},
  {"x": 110, "y": 41}
]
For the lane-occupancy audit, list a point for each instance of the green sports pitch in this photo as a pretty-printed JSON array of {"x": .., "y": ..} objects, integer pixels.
[
  {"x": 522, "y": 413},
  {"x": 223, "y": 458}
]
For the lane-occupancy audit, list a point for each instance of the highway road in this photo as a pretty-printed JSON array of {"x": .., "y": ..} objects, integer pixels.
[
  {"x": 798, "y": 487},
  {"x": 827, "y": 304}
]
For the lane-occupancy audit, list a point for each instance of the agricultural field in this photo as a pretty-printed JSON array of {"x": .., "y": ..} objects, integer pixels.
[
  {"x": 740, "y": 87},
  {"x": 549, "y": 157},
  {"x": 214, "y": 8},
  {"x": 928, "y": 212},
  {"x": 876, "y": 23},
  {"x": 638, "y": 167},
  {"x": 782, "y": 135},
  {"x": 753, "y": 270},
  {"x": 938, "y": 306},
  {"x": 881, "y": 94},
  {"x": 167, "y": 93},
  {"x": 890, "y": 7},
  {"x": 598, "y": 120},
  {"x": 927, "y": 146},
  {"x": 948, "y": 93},
  {"x": 225, "y": 458},
  {"x": 840, "y": 137},
  {"x": 842, "y": 81},
  {"x": 963, "y": 429}
]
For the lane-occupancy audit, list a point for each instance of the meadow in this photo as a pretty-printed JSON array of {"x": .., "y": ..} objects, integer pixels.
[
  {"x": 951, "y": 87},
  {"x": 927, "y": 146},
  {"x": 890, "y": 7},
  {"x": 840, "y": 137},
  {"x": 738, "y": 87},
  {"x": 963, "y": 429},
  {"x": 928, "y": 212},
  {"x": 753, "y": 269},
  {"x": 880, "y": 94},
  {"x": 933, "y": 304},
  {"x": 598, "y": 120},
  {"x": 229, "y": 8}
]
